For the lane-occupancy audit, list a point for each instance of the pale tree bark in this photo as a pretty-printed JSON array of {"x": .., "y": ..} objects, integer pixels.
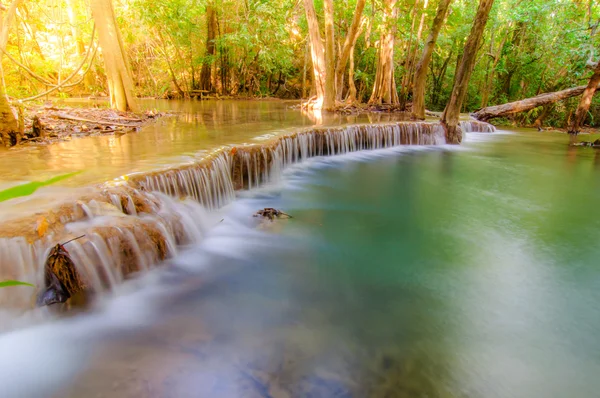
[
  {"x": 329, "y": 98},
  {"x": 526, "y": 104},
  {"x": 463, "y": 74},
  {"x": 118, "y": 72},
  {"x": 585, "y": 102},
  {"x": 420, "y": 79},
  {"x": 9, "y": 127},
  {"x": 348, "y": 49},
  {"x": 384, "y": 90},
  {"x": 351, "y": 97},
  {"x": 88, "y": 78},
  {"x": 317, "y": 53}
]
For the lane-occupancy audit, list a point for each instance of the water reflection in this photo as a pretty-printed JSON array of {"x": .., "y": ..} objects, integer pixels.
[{"x": 196, "y": 126}]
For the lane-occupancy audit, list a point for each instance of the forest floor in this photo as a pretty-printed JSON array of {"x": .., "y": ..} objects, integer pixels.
[{"x": 46, "y": 124}]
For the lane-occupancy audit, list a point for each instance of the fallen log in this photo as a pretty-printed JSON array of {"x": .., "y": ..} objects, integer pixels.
[
  {"x": 65, "y": 116},
  {"x": 510, "y": 108}
]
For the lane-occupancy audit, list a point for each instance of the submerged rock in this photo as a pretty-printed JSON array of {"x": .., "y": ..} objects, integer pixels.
[{"x": 271, "y": 214}]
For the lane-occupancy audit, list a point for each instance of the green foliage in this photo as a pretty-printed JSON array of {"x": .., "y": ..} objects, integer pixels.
[
  {"x": 31, "y": 187},
  {"x": 529, "y": 47},
  {"x": 14, "y": 283}
]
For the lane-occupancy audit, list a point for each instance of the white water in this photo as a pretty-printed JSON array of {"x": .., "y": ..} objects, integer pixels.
[
  {"x": 135, "y": 225},
  {"x": 474, "y": 126},
  {"x": 41, "y": 359}
]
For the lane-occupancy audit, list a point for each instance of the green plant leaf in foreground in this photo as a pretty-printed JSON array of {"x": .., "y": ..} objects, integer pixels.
[
  {"x": 14, "y": 283},
  {"x": 31, "y": 187}
]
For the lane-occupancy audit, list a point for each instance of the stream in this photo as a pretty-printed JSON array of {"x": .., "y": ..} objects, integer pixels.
[{"x": 410, "y": 271}]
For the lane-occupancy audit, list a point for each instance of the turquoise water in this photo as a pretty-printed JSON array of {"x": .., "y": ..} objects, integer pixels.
[{"x": 412, "y": 272}]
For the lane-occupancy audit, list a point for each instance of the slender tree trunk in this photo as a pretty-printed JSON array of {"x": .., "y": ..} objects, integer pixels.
[
  {"x": 420, "y": 80},
  {"x": 329, "y": 99},
  {"x": 118, "y": 72},
  {"x": 317, "y": 53},
  {"x": 9, "y": 127},
  {"x": 88, "y": 79},
  {"x": 384, "y": 90},
  {"x": 304, "y": 70},
  {"x": 463, "y": 74},
  {"x": 211, "y": 29},
  {"x": 585, "y": 102},
  {"x": 351, "y": 98},
  {"x": 409, "y": 60},
  {"x": 348, "y": 48}
]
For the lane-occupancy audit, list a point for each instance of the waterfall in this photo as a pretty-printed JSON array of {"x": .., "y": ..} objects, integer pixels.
[
  {"x": 474, "y": 126},
  {"x": 134, "y": 224}
]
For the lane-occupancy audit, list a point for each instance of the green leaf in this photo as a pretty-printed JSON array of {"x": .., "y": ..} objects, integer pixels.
[
  {"x": 31, "y": 187},
  {"x": 14, "y": 283}
]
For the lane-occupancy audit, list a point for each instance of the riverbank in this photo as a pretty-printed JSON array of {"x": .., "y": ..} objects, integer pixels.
[{"x": 50, "y": 122}]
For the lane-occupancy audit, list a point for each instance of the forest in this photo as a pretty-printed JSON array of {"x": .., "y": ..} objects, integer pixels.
[{"x": 391, "y": 55}]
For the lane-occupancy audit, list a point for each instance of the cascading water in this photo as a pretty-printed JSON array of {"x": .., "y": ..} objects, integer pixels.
[
  {"x": 134, "y": 224},
  {"x": 474, "y": 126}
]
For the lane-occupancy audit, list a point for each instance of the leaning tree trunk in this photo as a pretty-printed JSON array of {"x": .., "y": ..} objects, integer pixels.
[
  {"x": 463, "y": 74},
  {"x": 317, "y": 53},
  {"x": 418, "y": 100},
  {"x": 510, "y": 108},
  {"x": 384, "y": 90},
  {"x": 584, "y": 103},
  {"x": 9, "y": 128},
  {"x": 118, "y": 72},
  {"x": 348, "y": 48},
  {"x": 329, "y": 98}
]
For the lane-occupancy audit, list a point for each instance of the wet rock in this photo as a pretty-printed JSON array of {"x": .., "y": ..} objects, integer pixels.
[
  {"x": 61, "y": 279},
  {"x": 271, "y": 214}
]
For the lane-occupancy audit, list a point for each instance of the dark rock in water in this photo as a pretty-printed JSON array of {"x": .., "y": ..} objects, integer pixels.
[
  {"x": 271, "y": 213},
  {"x": 54, "y": 293},
  {"x": 61, "y": 279},
  {"x": 597, "y": 142}
]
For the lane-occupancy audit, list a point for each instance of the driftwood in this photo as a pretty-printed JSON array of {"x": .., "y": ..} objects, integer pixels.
[
  {"x": 61, "y": 115},
  {"x": 510, "y": 108}
]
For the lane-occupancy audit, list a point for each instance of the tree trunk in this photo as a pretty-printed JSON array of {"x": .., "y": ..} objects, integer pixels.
[
  {"x": 88, "y": 79},
  {"x": 351, "y": 98},
  {"x": 584, "y": 103},
  {"x": 418, "y": 100},
  {"x": 384, "y": 90},
  {"x": 539, "y": 121},
  {"x": 9, "y": 128},
  {"x": 348, "y": 48},
  {"x": 463, "y": 74},
  {"x": 510, "y": 108},
  {"x": 411, "y": 54},
  {"x": 118, "y": 73},
  {"x": 211, "y": 29},
  {"x": 317, "y": 53},
  {"x": 329, "y": 99}
]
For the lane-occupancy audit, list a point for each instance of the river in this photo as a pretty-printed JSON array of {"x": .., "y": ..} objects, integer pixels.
[{"x": 416, "y": 271}]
